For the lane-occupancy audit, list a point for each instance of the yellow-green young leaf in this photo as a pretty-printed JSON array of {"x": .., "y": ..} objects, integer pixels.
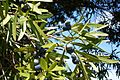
[
  {"x": 39, "y": 30},
  {"x": 25, "y": 74},
  {"x": 6, "y": 20},
  {"x": 49, "y": 45},
  {"x": 41, "y": 76},
  {"x": 51, "y": 48},
  {"x": 43, "y": 64},
  {"x": 106, "y": 60},
  {"x": 94, "y": 67},
  {"x": 52, "y": 65},
  {"x": 59, "y": 78},
  {"x": 58, "y": 68},
  {"x": 14, "y": 26},
  {"x": 42, "y": 0},
  {"x": 53, "y": 74},
  {"x": 51, "y": 32},
  {"x": 95, "y": 34}
]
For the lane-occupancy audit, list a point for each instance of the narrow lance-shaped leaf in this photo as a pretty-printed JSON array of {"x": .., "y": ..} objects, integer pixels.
[
  {"x": 83, "y": 27},
  {"x": 52, "y": 47},
  {"x": 96, "y": 34},
  {"x": 85, "y": 74},
  {"x": 52, "y": 65},
  {"x": 14, "y": 32},
  {"x": 106, "y": 60},
  {"x": 22, "y": 31},
  {"x": 5, "y": 21},
  {"x": 39, "y": 30},
  {"x": 97, "y": 26},
  {"x": 88, "y": 56},
  {"x": 94, "y": 67},
  {"x": 58, "y": 68}
]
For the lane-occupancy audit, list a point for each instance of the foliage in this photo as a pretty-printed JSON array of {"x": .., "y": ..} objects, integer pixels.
[
  {"x": 30, "y": 50},
  {"x": 107, "y": 10}
]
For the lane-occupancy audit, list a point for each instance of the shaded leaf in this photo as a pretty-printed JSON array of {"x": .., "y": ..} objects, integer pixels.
[
  {"x": 89, "y": 56},
  {"x": 22, "y": 49},
  {"x": 39, "y": 30}
]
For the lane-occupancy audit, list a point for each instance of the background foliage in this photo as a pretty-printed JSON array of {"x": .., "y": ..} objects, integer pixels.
[{"x": 29, "y": 50}]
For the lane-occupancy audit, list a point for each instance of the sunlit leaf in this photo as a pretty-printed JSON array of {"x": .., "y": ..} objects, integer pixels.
[
  {"x": 106, "y": 60},
  {"x": 43, "y": 64},
  {"x": 49, "y": 45},
  {"x": 96, "y": 34},
  {"x": 14, "y": 26},
  {"x": 6, "y": 20},
  {"x": 22, "y": 31},
  {"x": 94, "y": 67},
  {"x": 58, "y": 68},
  {"x": 52, "y": 65},
  {"x": 51, "y": 48},
  {"x": 97, "y": 26}
]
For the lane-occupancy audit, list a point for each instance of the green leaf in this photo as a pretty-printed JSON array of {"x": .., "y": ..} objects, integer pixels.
[
  {"x": 58, "y": 68},
  {"x": 14, "y": 32},
  {"x": 97, "y": 26},
  {"x": 22, "y": 49},
  {"x": 22, "y": 19},
  {"x": 43, "y": 64},
  {"x": 31, "y": 25},
  {"x": 52, "y": 48},
  {"x": 44, "y": 16},
  {"x": 52, "y": 65},
  {"x": 51, "y": 32},
  {"x": 55, "y": 55},
  {"x": 1, "y": 12},
  {"x": 39, "y": 30},
  {"x": 6, "y": 20},
  {"x": 83, "y": 27},
  {"x": 94, "y": 67},
  {"x": 106, "y": 60},
  {"x": 22, "y": 31},
  {"x": 95, "y": 34},
  {"x": 85, "y": 73},
  {"x": 49, "y": 45},
  {"x": 38, "y": 10},
  {"x": 25, "y": 74},
  {"x": 89, "y": 56}
]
